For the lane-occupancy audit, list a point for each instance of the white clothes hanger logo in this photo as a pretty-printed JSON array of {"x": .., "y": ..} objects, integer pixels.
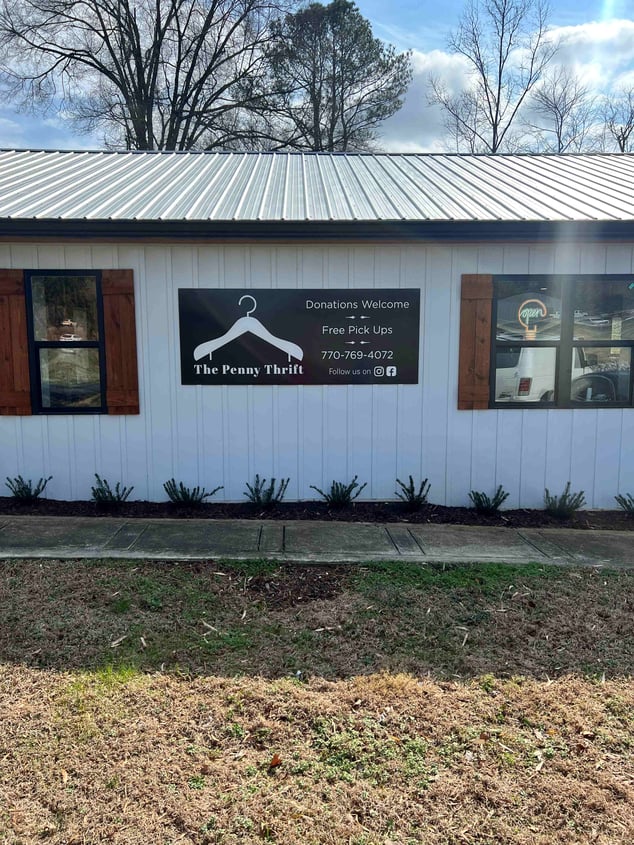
[{"x": 252, "y": 325}]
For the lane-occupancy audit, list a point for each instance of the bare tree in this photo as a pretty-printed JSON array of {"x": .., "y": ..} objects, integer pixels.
[
  {"x": 336, "y": 83},
  {"x": 618, "y": 118},
  {"x": 507, "y": 47},
  {"x": 565, "y": 115},
  {"x": 149, "y": 74}
]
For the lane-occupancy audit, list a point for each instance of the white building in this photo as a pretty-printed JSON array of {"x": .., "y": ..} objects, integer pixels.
[{"x": 497, "y": 293}]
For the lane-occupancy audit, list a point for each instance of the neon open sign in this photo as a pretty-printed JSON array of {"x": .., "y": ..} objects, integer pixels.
[{"x": 529, "y": 313}]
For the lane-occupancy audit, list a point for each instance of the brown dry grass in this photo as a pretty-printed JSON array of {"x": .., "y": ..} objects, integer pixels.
[
  {"x": 172, "y": 741},
  {"x": 375, "y": 759}
]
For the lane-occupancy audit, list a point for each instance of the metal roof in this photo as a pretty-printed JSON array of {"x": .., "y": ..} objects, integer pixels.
[{"x": 314, "y": 187}]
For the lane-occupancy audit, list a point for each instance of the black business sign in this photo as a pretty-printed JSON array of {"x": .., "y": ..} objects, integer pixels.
[{"x": 363, "y": 336}]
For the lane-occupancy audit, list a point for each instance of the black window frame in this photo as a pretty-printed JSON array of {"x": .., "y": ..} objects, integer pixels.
[
  {"x": 564, "y": 346},
  {"x": 35, "y": 345}
]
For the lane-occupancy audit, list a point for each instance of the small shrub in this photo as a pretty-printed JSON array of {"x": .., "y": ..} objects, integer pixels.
[
  {"x": 412, "y": 496},
  {"x": 564, "y": 506},
  {"x": 191, "y": 496},
  {"x": 626, "y": 502},
  {"x": 24, "y": 490},
  {"x": 483, "y": 504},
  {"x": 104, "y": 494},
  {"x": 266, "y": 496},
  {"x": 340, "y": 494}
]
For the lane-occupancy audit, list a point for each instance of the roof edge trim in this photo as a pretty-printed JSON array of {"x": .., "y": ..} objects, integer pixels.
[{"x": 405, "y": 231}]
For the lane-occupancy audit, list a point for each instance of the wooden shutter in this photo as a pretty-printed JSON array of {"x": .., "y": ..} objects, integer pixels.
[
  {"x": 15, "y": 381},
  {"x": 122, "y": 384},
  {"x": 475, "y": 342}
]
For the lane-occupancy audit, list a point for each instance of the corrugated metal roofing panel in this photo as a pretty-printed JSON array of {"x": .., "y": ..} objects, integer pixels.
[
  {"x": 50, "y": 185},
  {"x": 597, "y": 193},
  {"x": 49, "y": 179},
  {"x": 567, "y": 198},
  {"x": 141, "y": 194},
  {"x": 295, "y": 200},
  {"x": 423, "y": 198},
  {"x": 453, "y": 200},
  {"x": 339, "y": 208},
  {"x": 501, "y": 196},
  {"x": 187, "y": 187},
  {"x": 388, "y": 202},
  {"x": 198, "y": 201},
  {"x": 272, "y": 207},
  {"x": 317, "y": 207},
  {"x": 229, "y": 201},
  {"x": 212, "y": 194},
  {"x": 158, "y": 202},
  {"x": 358, "y": 193}
]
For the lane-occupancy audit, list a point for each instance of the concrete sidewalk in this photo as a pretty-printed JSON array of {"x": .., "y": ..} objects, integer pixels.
[{"x": 196, "y": 539}]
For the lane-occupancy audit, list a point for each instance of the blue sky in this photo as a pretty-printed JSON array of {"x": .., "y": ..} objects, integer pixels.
[
  {"x": 597, "y": 40},
  {"x": 425, "y": 26}
]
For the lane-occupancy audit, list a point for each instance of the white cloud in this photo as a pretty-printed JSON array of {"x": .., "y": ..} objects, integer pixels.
[
  {"x": 610, "y": 33},
  {"x": 419, "y": 127},
  {"x": 624, "y": 81},
  {"x": 598, "y": 51}
]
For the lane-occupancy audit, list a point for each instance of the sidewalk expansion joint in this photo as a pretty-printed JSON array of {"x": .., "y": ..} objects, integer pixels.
[
  {"x": 116, "y": 533},
  {"x": 392, "y": 540},
  {"x": 422, "y": 550},
  {"x": 137, "y": 538},
  {"x": 546, "y": 547},
  {"x": 404, "y": 541}
]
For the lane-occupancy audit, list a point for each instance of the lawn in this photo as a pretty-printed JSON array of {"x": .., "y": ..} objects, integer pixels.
[{"x": 391, "y": 703}]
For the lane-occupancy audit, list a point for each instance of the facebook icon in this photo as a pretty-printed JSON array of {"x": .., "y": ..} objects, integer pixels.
[{"x": 390, "y": 371}]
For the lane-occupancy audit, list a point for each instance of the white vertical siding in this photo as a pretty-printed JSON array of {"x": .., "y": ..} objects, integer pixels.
[
  {"x": 314, "y": 434},
  {"x": 336, "y": 463},
  {"x": 409, "y": 424},
  {"x": 460, "y": 426}
]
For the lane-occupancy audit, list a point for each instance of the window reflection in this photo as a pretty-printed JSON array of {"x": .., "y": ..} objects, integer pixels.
[
  {"x": 527, "y": 311},
  {"x": 604, "y": 310},
  {"x": 564, "y": 340},
  {"x": 525, "y": 373},
  {"x": 70, "y": 378},
  {"x": 65, "y": 308},
  {"x": 601, "y": 374}
]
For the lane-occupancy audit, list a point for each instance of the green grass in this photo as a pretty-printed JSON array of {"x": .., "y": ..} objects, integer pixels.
[
  {"x": 121, "y": 604},
  {"x": 484, "y": 578},
  {"x": 260, "y": 617},
  {"x": 250, "y": 568}
]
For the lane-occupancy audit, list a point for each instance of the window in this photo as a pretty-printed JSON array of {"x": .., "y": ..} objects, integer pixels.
[
  {"x": 65, "y": 327},
  {"x": 551, "y": 341},
  {"x": 67, "y": 342}
]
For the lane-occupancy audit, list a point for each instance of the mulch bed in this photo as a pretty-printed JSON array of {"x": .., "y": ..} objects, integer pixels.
[{"x": 357, "y": 512}]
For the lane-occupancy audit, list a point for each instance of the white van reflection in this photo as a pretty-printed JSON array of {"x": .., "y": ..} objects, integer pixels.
[{"x": 527, "y": 374}]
